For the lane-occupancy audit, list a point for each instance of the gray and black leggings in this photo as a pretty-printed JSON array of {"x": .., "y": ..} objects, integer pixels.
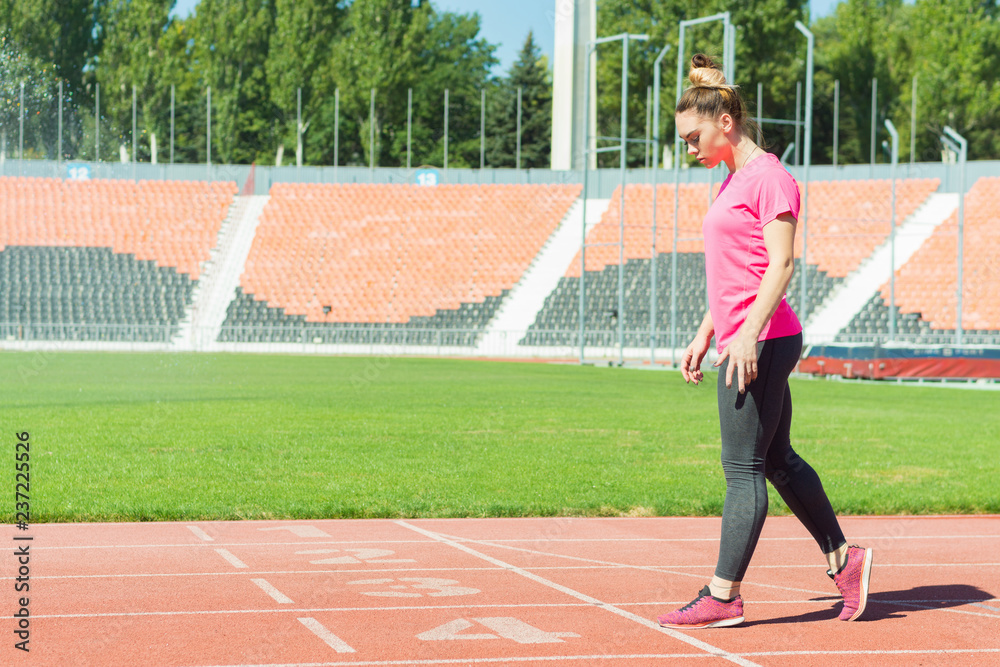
[{"x": 755, "y": 446}]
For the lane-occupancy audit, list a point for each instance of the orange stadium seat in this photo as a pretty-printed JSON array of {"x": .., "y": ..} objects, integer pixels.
[
  {"x": 389, "y": 253},
  {"x": 927, "y": 284},
  {"x": 174, "y": 223}
]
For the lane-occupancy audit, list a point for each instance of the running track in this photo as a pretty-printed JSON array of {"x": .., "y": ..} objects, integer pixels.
[{"x": 561, "y": 592}]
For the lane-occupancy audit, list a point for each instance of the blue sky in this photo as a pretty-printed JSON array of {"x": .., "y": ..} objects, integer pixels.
[{"x": 507, "y": 22}]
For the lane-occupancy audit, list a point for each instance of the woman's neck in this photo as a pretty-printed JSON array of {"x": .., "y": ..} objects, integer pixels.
[{"x": 742, "y": 153}]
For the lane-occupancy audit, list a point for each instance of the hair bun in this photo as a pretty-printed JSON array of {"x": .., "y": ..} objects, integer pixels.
[{"x": 705, "y": 73}]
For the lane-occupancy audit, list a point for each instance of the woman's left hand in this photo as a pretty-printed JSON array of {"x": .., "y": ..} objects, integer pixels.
[{"x": 742, "y": 355}]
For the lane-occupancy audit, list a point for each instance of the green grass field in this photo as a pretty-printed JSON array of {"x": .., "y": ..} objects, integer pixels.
[{"x": 128, "y": 437}]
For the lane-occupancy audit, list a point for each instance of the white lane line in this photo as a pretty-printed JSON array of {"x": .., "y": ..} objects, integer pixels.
[
  {"x": 332, "y": 640},
  {"x": 522, "y": 540},
  {"x": 230, "y": 544},
  {"x": 665, "y": 569},
  {"x": 653, "y": 568},
  {"x": 229, "y": 574},
  {"x": 870, "y": 538},
  {"x": 201, "y": 534},
  {"x": 914, "y": 651},
  {"x": 708, "y": 648},
  {"x": 299, "y": 530},
  {"x": 278, "y": 596},
  {"x": 483, "y": 661},
  {"x": 215, "y": 612},
  {"x": 646, "y": 568},
  {"x": 525, "y": 605},
  {"x": 233, "y": 560},
  {"x": 560, "y": 658}
]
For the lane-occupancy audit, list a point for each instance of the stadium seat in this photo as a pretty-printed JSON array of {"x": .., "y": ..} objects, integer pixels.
[
  {"x": 104, "y": 259},
  {"x": 397, "y": 255}
]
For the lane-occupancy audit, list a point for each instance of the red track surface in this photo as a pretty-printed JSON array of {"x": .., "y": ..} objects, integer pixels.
[{"x": 566, "y": 592}]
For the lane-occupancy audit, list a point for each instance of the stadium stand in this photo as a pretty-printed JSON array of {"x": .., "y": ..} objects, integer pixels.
[
  {"x": 389, "y": 263},
  {"x": 847, "y": 221},
  {"x": 927, "y": 285},
  {"x": 103, "y": 259}
]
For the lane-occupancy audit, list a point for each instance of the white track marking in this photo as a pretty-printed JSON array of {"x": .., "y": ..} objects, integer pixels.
[
  {"x": 665, "y": 569},
  {"x": 202, "y": 535},
  {"x": 516, "y": 629},
  {"x": 870, "y": 538},
  {"x": 561, "y": 658},
  {"x": 504, "y": 626},
  {"x": 498, "y": 541},
  {"x": 317, "y": 571},
  {"x": 299, "y": 530},
  {"x": 914, "y": 651},
  {"x": 526, "y": 605},
  {"x": 708, "y": 648},
  {"x": 188, "y": 545},
  {"x": 451, "y": 630},
  {"x": 332, "y": 640},
  {"x": 278, "y": 596},
  {"x": 653, "y": 568},
  {"x": 647, "y": 568},
  {"x": 233, "y": 560}
]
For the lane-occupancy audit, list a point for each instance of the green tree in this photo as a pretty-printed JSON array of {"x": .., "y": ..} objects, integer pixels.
[
  {"x": 380, "y": 50},
  {"x": 856, "y": 45},
  {"x": 530, "y": 74},
  {"x": 956, "y": 47},
  {"x": 457, "y": 58},
  {"x": 768, "y": 49},
  {"x": 299, "y": 53},
  {"x": 130, "y": 55},
  {"x": 40, "y": 85},
  {"x": 231, "y": 40},
  {"x": 60, "y": 32},
  {"x": 55, "y": 41},
  {"x": 393, "y": 47}
]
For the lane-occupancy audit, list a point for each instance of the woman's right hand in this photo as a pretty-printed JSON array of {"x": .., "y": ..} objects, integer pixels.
[{"x": 693, "y": 356}]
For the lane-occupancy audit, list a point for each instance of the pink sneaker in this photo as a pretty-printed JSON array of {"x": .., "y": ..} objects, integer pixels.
[
  {"x": 705, "y": 611},
  {"x": 852, "y": 580}
]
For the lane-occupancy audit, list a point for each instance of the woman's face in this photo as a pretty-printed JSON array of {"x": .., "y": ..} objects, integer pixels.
[{"x": 706, "y": 138}]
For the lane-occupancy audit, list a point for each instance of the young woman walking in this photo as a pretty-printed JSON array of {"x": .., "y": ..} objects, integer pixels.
[{"x": 749, "y": 232}]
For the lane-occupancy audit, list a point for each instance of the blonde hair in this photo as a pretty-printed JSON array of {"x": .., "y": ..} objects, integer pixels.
[{"x": 710, "y": 96}]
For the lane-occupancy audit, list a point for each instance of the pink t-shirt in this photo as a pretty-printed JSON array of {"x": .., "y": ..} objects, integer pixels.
[{"x": 735, "y": 255}]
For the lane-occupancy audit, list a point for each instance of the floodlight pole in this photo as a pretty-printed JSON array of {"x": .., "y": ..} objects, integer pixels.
[
  {"x": 97, "y": 123},
  {"x": 591, "y": 47},
  {"x": 208, "y": 133},
  {"x": 518, "y": 158},
  {"x": 59, "y": 142},
  {"x": 958, "y": 143},
  {"x": 371, "y": 138},
  {"x": 871, "y": 169},
  {"x": 913, "y": 124},
  {"x": 336, "y": 132},
  {"x": 807, "y": 161},
  {"x": 20, "y": 140},
  {"x": 172, "y": 123},
  {"x": 892, "y": 234},
  {"x": 836, "y": 120},
  {"x": 409, "y": 125},
  {"x": 482, "y": 133},
  {"x": 133, "y": 132},
  {"x": 446, "y": 133},
  {"x": 724, "y": 17},
  {"x": 656, "y": 172}
]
